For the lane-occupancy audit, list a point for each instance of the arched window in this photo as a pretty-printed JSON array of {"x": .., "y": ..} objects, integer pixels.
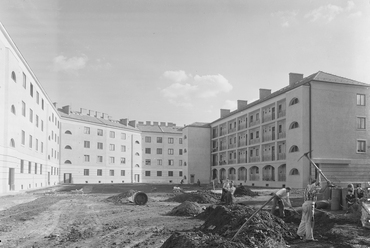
[
  {"x": 293, "y": 149},
  {"x": 68, "y": 132},
  {"x": 137, "y": 142},
  {"x": 12, "y": 143},
  {"x": 136, "y": 165},
  {"x": 293, "y": 172},
  {"x": 294, "y": 101},
  {"x": 293, "y": 125},
  {"x": 12, "y": 109},
  {"x": 68, "y": 147},
  {"x": 14, "y": 77},
  {"x": 137, "y": 154},
  {"x": 67, "y": 162}
]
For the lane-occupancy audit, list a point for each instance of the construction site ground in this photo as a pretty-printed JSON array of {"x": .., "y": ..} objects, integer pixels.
[{"x": 66, "y": 216}]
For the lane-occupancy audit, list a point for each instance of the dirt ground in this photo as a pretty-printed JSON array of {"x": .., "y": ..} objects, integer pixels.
[{"x": 102, "y": 216}]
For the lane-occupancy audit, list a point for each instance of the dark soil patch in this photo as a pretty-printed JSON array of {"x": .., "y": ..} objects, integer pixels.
[
  {"x": 201, "y": 197},
  {"x": 243, "y": 191},
  {"x": 186, "y": 209}
]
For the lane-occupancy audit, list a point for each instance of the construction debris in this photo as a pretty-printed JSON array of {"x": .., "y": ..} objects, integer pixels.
[
  {"x": 201, "y": 197},
  {"x": 120, "y": 198},
  {"x": 186, "y": 208},
  {"x": 243, "y": 191}
]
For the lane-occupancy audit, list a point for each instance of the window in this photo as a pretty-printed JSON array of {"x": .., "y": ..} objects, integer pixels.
[
  {"x": 112, "y": 134},
  {"x": 123, "y": 173},
  {"x": 12, "y": 109},
  {"x": 14, "y": 77},
  {"x": 86, "y": 172},
  {"x": 112, "y": 147},
  {"x": 111, "y": 160},
  {"x": 180, "y": 173},
  {"x": 99, "y": 159},
  {"x": 257, "y": 134},
  {"x": 87, "y": 158},
  {"x": 111, "y": 172},
  {"x": 294, "y": 171},
  {"x": 22, "y": 166},
  {"x": 293, "y": 101},
  {"x": 123, "y": 160},
  {"x": 42, "y": 147},
  {"x": 159, "y": 173},
  {"x": 147, "y": 150},
  {"x": 99, "y": 172},
  {"x": 24, "y": 80},
  {"x": 29, "y": 167},
  {"x": 31, "y": 89},
  {"x": 23, "y": 108},
  {"x": 180, "y": 151},
  {"x": 100, "y": 145},
  {"x": 37, "y": 144},
  {"x": 42, "y": 125},
  {"x": 170, "y": 151},
  {"x": 180, "y": 140},
  {"x": 170, "y": 173},
  {"x": 360, "y": 100},
  {"x": 31, "y": 115},
  {"x": 86, "y": 130},
  {"x": 159, "y": 150},
  {"x": 257, "y": 116},
  {"x": 68, "y": 147},
  {"x": 170, "y": 162},
  {"x": 123, "y": 148},
  {"x": 87, "y": 144},
  {"x": 12, "y": 143},
  {"x": 293, "y": 149},
  {"x": 37, "y": 121},
  {"x": 35, "y": 168},
  {"x": 40, "y": 169},
  {"x": 159, "y": 139},
  {"x": 147, "y": 173},
  {"x": 361, "y": 146},
  {"x": 100, "y": 132},
  {"x": 148, "y": 162},
  {"x": 37, "y": 97},
  {"x": 294, "y": 125},
  {"x": 123, "y": 136},
  {"x": 170, "y": 140},
  {"x": 42, "y": 104},
  {"x": 30, "y": 142},
  {"x": 148, "y": 139},
  {"x": 361, "y": 123},
  {"x": 23, "y": 141},
  {"x": 180, "y": 162},
  {"x": 159, "y": 161}
]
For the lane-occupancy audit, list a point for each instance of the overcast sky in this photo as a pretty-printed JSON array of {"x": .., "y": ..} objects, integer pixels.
[{"x": 182, "y": 61}]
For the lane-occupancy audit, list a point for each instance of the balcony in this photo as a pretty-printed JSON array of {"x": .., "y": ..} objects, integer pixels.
[
  {"x": 232, "y": 145},
  {"x": 242, "y": 160},
  {"x": 253, "y": 123},
  {"x": 254, "y": 141},
  {"x": 231, "y": 161},
  {"x": 267, "y": 137},
  {"x": 215, "y": 163},
  {"x": 281, "y": 113},
  {"x": 268, "y": 158},
  {"x": 242, "y": 126},
  {"x": 223, "y": 132},
  {"x": 222, "y": 162},
  {"x": 223, "y": 148},
  {"x": 268, "y": 117},
  {"x": 232, "y": 130},
  {"x": 242, "y": 143},
  {"x": 254, "y": 159},
  {"x": 281, "y": 135},
  {"x": 214, "y": 149},
  {"x": 281, "y": 156}
]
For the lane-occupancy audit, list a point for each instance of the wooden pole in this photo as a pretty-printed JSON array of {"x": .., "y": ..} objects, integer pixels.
[{"x": 246, "y": 222}]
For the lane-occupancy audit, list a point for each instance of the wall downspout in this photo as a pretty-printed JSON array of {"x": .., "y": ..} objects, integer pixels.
[
  {"x": 132, "y": 158},
  {"x": 310, "y": 125}
]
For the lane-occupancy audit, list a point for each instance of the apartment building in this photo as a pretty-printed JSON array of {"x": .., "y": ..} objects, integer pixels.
[
  {"x": 163, "y": 153},
  {"x": 29, "y": 125},
  {"x": 261, "y": 143},
  {"x": 97, "y": 149}
]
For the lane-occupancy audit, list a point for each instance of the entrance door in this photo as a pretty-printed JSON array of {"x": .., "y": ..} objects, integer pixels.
[
  {"x": 192, "y": 178},
  {"x": 11, "y": 179},
  {"x": 137, "y": 178},
  {"x": 67, "y": 177}
]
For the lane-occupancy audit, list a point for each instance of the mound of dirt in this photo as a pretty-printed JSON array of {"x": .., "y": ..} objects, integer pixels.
[
  {"x": 264, "y": 230},
  {"x": 244, "y": 190},
  {"x": 186, "y": 209},
  {"x": 199, "y": 197},
  {"x": 120, "y": 198}
]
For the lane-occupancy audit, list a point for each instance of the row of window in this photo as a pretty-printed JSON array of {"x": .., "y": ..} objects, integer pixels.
[
  {"x": 171, "y": 151},
  {"x": 148, "y": 139},
  {"x": 99, "y": 159},
  {"x": 171, "y": 162},
  {"x": 100, "y": 132},
  {"x": 30, "y": 142},
  {"x": 112, "y": 147},
  {"x": 160, "y": 173},
  {"x": 36, "y": 169},
  {"x": 99, "y": 172}
]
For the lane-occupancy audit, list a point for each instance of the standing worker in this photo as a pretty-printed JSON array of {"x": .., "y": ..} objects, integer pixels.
[
  {"x": 279, "y": 198},
  {"x": 308, "y": 210},
  {"x": 225, "y": 189}
]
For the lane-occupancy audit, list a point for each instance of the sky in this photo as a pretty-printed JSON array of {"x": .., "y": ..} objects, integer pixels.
[{"x": 182, "y": 61}]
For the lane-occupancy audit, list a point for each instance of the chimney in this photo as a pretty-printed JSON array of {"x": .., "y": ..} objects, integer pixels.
[
  {"x": 163, "y": 123},
  {"x": 123, "y": 121},
  {"x": 294, "y": 78},
  {"x": 140, "y": 123},
  {"x": 155, "y": 123},
  {"x": 98, "y": 114},
  {"x": 224, "y": 112},
  {"x": 67, "y": 109},
  {"x": 132, "y": 123},
  {"x": 170, "y": 124},
  {"x": 83, "y": 111},
  {"x": 148, "y": 123},
  {"x": 105, "y": 116},
  {"x": 92, "y": 113},
  {"x": 242, "y": 104},
  {"x": 264, "y": 93}
]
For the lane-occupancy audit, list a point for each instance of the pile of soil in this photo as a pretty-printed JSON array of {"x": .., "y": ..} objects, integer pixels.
[
  {"x": 264, "y": 230},
  {"x": 120, "y": 198},
  {"x": 244, "y": 190},
  {"x": 201, "y": 197},
  {"x": 186, "y": 209}
]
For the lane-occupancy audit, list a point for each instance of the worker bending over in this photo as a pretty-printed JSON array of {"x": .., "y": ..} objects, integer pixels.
[{"x": 280, "y": 197}]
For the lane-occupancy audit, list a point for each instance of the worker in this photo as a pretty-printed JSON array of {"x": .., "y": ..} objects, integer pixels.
[
  {"x": 308, "y": 210},
  {"x": 198, "y": 182},
  {"x": 229, "y": 197},
  {"x": 351, "y": 196},
  {"x": 225, "y": 189},
  {"x": 280, "y": 197}
]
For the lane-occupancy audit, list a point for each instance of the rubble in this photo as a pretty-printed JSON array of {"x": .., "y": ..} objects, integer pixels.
[
  {"x": 120, "y": 198},
  {"x": 186, "y": 208},
  {"x": 243, "y": 191},
  {"x": 201, "y": 197}
]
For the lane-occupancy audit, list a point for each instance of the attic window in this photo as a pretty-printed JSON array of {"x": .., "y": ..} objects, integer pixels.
[{"x": 294, "y": 101}]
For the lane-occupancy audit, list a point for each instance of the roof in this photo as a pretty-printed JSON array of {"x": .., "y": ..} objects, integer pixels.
[
  {"x": 159, "y": 128},
  {"x": 318, "y": 76},
  {"x": 199, "y": 124}
]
